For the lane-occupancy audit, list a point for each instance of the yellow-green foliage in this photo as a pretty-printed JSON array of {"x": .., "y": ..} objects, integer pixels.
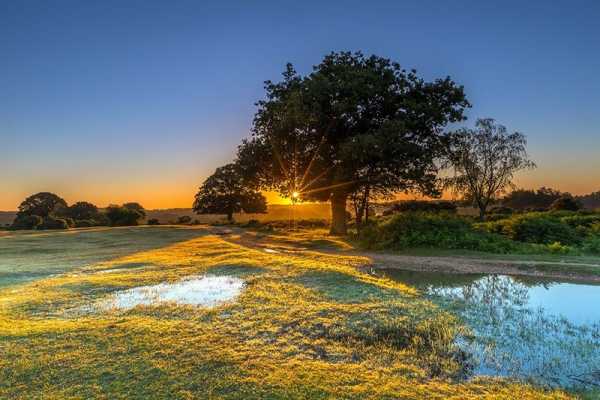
[{"x": 307, "y": 325}]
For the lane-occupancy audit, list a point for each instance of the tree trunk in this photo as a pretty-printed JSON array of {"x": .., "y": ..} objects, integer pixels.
[
  {"x": 482, "y": 210},
  {"x": 338, "y": 213},
  {"x": 229, "y": 217},
  {"x": 359, "y": 217}
]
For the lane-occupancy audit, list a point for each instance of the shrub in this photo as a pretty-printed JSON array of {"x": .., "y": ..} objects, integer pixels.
[
  {"x": 153, "y": 221},
  {"x": 434, "y": 231},
  {"x": 26, "y": 222},
  {"x": 53, "y": 223},
  {"x": 84, "y": 223},
  {"x": 591, "y": 244},
  {"x": 421, "y": 206},
  {"x": 534, "y": 228},
  {"x": 558, "y": 248},
  {"x": 184, "y": 220},
  {"x": 123, "y": 216},
  {"x": 565, "y": 203},
  {"x": 581, "y": 220},
  {"x": 501, "y": 210}
]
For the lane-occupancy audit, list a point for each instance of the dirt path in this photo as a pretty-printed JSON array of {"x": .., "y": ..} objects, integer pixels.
[{"x": 571, "y": 271}]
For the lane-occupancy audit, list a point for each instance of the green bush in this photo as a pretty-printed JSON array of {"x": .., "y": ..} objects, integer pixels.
[
  {"x": 581, "y": 220},
  {"x": 444, "y": 231},
  {"x": 591, "y": 244},
  {"x": 537, "y": 228},
  {"x": 53, "y": 223},
  {"x": 184, "y": 220},
  {"x": 84, "y": 223},
  {"x": 26, "y": 222},
  {"x": 123, "y": 216}
]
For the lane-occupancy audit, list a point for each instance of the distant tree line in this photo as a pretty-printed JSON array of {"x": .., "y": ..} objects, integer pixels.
[
  {"x": 545, "y": 198},
  {"x": 46, "y": 210}
]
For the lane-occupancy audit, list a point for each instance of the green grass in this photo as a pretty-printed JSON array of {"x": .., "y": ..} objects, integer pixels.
[
  {"x": 303, "y": 328},
  {"x": 26, "y": 256}
]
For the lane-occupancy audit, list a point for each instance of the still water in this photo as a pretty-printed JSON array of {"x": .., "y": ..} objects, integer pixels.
[
  {"x": 207, "y": 291},
  {"x": 543, "y": 331}
]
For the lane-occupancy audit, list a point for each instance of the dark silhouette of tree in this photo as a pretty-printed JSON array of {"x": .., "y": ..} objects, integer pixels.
[
  {"x": 522, "y": 199},
  {"x": 136, "y": 207},
  {"x": 41, "y": 204},
  {"x": 184, "y": 220},
  {"x": 123, "y": 216},
  {"x": 26, "y": 222},
  {"x": 153, "y": 221},
  {"x": 355, "y": 124},
  {"x": 82, "y": 210},
  {"x": 590, "y": 201},
  {"x": 485, "y": 160},
  {"x": 51, "y": 222},
  {"x": 566, "y": 203},
  {"x": 225, "y": 192}
]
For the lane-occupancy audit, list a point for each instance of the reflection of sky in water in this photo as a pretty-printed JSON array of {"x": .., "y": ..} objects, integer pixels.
[
  {"x": 206, "y": 291},
  {"x": 544, "y": 331}
]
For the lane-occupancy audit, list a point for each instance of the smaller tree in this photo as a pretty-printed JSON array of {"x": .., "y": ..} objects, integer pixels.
[
  {"x": 136, "y": 207},
  {"x": 41, "y": 204},
  {"x": 225, "y": 192},
  {"x": 184, "y": 220},
  {"x": 122, "y": 216},
  {"x": 26, "y": 222},
  {"x": 485, "y": 160},
  {"x": 82, "y": 210},
  {"x": 566, "y": 203}
]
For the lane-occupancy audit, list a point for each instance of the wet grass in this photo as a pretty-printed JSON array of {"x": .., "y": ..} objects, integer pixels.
[
  {"x": 306, "y": 328},
  {"x": 31, "y": 255}
]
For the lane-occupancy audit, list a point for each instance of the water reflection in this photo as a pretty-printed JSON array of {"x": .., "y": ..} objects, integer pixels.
[
  {"x": 542, "y": 331},
  {"x": 207, "y": 291}
]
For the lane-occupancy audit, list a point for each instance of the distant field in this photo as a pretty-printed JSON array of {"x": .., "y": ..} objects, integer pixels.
[
  {"x": 32, "y": 255},
  {"x": 276, "y": 212}
]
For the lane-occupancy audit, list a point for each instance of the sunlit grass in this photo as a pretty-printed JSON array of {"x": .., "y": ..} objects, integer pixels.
[{"x": 304, "y": 327}]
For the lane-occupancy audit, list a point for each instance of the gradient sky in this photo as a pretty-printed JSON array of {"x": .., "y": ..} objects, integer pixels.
[{"x": 113, "y": 101}]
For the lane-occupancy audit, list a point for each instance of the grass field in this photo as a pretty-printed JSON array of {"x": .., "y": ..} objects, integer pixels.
[{"x": 308, "y": 326}]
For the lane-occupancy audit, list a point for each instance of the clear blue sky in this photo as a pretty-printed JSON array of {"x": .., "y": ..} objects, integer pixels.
[{"x": 110, "y": 101}]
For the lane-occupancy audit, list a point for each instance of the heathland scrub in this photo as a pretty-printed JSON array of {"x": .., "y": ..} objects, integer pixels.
[{"x": 305, "y": 325}]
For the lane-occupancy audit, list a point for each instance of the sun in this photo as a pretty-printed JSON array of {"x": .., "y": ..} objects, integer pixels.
[{"x": 295, "y": 195}]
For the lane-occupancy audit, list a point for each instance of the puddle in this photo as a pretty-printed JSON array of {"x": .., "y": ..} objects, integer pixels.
[
  {"x": 539, "y": 330},
  {"x": 207, "y": 291}
]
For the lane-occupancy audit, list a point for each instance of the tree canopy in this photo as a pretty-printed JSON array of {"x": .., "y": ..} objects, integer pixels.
[
  {"x": 123, "y": 216},
  {"x": 225, "y": 192},
  {"x": 82, "y": 210},
  {"x": 136, "y": 207},
  {"x": 566, "y": 203},
  {"x": 485, "y": 160},
  {"x": 41, "y": 204},
  {"x": 355, "y": 122},
  {"x": 523, "y": 199}
]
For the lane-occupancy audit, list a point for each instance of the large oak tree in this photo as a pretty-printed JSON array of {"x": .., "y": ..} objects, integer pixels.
[{"x": 355, "y": 123}]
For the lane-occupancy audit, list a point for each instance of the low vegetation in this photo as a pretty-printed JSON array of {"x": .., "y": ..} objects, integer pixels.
[
  {"x": 567, "y": 232},
  {"x": 311, "y": 326}
]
